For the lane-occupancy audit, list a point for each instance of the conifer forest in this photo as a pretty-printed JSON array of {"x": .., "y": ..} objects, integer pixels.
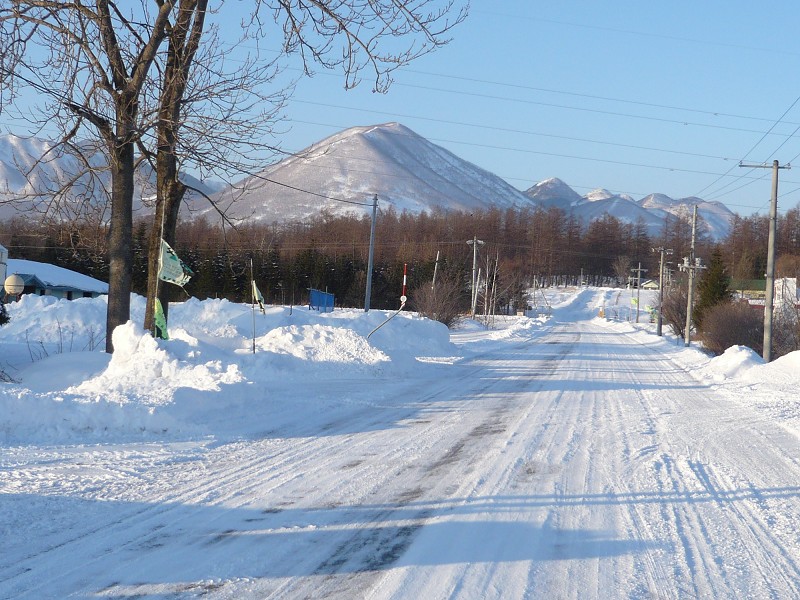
[{"x": 522, "y": 248}]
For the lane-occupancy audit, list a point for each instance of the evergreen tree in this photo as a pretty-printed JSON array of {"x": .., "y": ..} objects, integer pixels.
[
  {"x": 4, "y": 318},
  {"x": 712, "y": 289}
]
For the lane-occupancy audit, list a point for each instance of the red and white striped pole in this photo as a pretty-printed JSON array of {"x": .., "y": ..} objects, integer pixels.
[{"x": 403, "y": 298}]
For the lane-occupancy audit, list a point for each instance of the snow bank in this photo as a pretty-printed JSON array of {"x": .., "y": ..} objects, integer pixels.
[{"x": 65, "y": 386}]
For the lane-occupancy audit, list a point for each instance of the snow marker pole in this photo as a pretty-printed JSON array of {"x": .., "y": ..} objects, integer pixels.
[
  {"x": 253, "y": 298},
  {"x": 403, "y": 297}
]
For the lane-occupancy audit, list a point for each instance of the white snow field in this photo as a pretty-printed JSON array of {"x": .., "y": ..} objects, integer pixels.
[{"x": 569, "y": 456}]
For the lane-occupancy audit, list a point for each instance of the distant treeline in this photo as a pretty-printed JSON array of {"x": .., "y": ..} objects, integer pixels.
[{"x": 545, "y": 246}]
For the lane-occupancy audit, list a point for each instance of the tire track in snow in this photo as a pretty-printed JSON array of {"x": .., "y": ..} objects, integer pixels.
[{"x": 715, "y": 524}]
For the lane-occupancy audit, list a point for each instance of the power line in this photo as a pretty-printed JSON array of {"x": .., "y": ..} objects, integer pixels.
[
  {"x": 537, "y": 152},
  {"x": 589, "y": 96},
  {"x": 297, "y": 189},
  {"x": 754, "y": 146},
  {"x": 648, "y": 35},
  {"x": 577, "y": 108},
  {"x": 505, "y": 129}
]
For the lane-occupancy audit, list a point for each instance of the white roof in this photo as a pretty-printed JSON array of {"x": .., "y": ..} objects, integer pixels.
[{"x": 54, "y": 276}]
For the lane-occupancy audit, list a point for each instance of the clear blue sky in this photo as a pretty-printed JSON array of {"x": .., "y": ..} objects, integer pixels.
[{"x": 636, "y": 97}]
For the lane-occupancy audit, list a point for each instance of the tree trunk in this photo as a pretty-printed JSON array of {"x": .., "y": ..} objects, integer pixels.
[
  {"x": 170, "y": 192},
  {"x": 120, "y": 236}
]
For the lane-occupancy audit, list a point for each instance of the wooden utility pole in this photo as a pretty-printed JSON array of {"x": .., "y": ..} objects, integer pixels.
[
  {"x": 691, "y": 264},
  {"x": 770, "y": 291},
  {"x": 639, "y": 272},
  {"x": 663, "y": 252},
  {"x": 474, "y": 242},
  {"x": 368, "y": 292}
]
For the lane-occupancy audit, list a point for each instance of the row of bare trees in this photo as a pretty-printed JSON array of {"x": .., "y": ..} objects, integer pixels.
[
  {"x": 522, "y": 246},
  {"x": 147, "y": 81}
]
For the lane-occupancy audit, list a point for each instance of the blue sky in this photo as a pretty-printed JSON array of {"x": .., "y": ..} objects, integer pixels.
[{"x": 635, "y": 97}]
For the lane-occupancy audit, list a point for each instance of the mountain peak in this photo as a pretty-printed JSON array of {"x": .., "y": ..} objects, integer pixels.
[
  {"x": 599, "y": 194},
  {"x": 552, "y": 191},
  {"x": 348, "y": 168}
]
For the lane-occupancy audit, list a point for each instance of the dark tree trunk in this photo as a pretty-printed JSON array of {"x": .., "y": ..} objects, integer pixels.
[{"x": 120, "y": 236}]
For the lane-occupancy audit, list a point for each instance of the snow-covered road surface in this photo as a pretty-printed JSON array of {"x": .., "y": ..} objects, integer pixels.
[{"x": 579, "y": 463}]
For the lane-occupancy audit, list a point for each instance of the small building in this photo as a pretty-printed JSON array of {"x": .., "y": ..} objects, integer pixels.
[
  {"x": 43, "y": 279},
  {"x": 649, "y": 284}
]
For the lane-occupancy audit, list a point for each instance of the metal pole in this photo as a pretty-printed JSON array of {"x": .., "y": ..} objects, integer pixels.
[
  {"x": 687, "y": 335},
  {"x": 770, "y": 296},
  {"x": 371, "y": 253}
]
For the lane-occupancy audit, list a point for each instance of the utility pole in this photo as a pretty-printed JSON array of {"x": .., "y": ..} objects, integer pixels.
[
  {"x": 639, "y": 272},
  {"x": 663, "y": 251},
  {"x": 691, "y": 264},
  {"x": 368, "y": 293},
  {"x": 474, "y": 242},
  {"x": 770, "y": 291}
]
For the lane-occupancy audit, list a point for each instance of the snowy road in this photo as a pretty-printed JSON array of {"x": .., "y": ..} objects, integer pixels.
[{"x": 577, "y": 464}]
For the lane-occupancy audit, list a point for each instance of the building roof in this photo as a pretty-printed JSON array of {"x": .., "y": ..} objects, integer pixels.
[{"x": 54, "y": 277}]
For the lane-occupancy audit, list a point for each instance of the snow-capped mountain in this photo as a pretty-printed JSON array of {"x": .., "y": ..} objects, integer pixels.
[
  {"x": 553, "y": 192},
  {"x": 715, "y": 215},
  {"x": 342, "y": 173},
  {"x": 653, "y": 209},
  {"x": 404, "y": 169},
  {"x": 29, "y": 165}
]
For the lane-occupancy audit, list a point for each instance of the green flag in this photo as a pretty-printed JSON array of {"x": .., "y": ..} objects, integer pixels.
[
  {"x": 160, "y": 322},
  {"x": 171, "y": 268}
]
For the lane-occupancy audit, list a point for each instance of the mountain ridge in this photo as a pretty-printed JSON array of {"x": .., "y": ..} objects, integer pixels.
[
  {"x": 653, "y": 209},
  {"x": 413, "y": 174},
  {"x": 340, "y": 175}
]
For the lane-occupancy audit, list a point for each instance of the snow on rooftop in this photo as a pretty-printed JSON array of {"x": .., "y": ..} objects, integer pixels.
[{"x": 54, "y": 276}]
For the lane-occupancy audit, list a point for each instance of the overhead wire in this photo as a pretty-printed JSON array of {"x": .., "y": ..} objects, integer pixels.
[
  {"x": 753, "y": 147},
  {"x": 568, "y": 138}
]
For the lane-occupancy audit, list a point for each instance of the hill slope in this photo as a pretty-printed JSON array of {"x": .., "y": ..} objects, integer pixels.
[
  {"x": 30, "y": 166},
  {"x": 404, "y": 169},
  {"x": 653, "y": 209}
]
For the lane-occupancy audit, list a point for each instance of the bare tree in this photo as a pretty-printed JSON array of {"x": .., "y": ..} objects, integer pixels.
[
  {"x": 347, "y": 34},
  {"x": 444, "y": 302},
  {"x": 206, "y": 118},
  {"x": 673, "y": 309},
  {"x": 733, "y": 324},
  {"x": 621, "y": 266},
  {"x": 92, "y": 61}
]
